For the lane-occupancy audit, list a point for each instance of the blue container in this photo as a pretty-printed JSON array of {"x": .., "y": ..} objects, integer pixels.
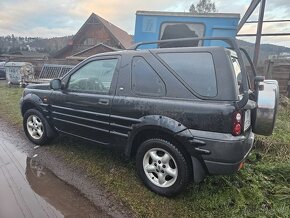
[{"x": 153, "y": 26}]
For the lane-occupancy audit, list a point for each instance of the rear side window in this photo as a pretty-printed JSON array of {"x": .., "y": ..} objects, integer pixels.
[
  {"x": 145, "y": 81},
  {"x": 195, "y": 69}
]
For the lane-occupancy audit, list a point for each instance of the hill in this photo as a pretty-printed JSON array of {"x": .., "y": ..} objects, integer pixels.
[
  {"x": 265, "y": 50},
  {"x": 10, "y": 44}
]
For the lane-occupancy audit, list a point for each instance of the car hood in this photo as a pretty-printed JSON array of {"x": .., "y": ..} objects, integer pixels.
[{"x": 44, "y": 86}]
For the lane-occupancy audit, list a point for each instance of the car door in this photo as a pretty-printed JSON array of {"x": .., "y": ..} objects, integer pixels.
[{"x": 82, "y": 108}]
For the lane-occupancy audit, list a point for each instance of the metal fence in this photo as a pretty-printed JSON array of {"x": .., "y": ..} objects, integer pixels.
[{"x": 52, "y": 71}]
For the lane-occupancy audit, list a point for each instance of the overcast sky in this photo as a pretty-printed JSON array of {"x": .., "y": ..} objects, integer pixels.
[{"x": 50, "y": 18}]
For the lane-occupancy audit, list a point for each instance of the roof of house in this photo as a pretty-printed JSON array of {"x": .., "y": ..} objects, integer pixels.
[
  {"x": 83, "y": 54},
  {"x": 63, "y": 50},
  {"x": 98, "y": 45},
  {"x": 120, "y": 35},
  {"x": 30, "y": 54}
]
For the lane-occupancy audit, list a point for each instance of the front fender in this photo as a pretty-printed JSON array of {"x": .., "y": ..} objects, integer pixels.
[
  {"x": 30, "y": 101},
  {"x": 34, "y": 100}
]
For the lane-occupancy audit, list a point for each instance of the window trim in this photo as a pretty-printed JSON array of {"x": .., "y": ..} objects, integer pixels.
[
  {"x": 143, "y": 93},
  {"x": 111, "y": 91},
  {"x": 179, "y": 78}
]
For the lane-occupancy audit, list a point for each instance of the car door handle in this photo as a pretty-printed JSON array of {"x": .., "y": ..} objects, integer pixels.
[{"x": 104, "y": 101}]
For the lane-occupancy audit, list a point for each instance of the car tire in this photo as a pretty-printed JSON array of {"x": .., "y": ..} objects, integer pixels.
[
  {"x": 36, "y": 127},
  {"x": 162, "y": 167}
]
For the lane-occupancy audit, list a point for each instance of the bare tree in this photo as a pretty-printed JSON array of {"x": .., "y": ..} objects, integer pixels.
[{"x": 204, "y": 6}]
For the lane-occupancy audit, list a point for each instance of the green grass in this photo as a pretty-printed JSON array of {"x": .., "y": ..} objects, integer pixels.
[
  {"x": 9, "y": 103},
  {"x": 261, "y": 189}
]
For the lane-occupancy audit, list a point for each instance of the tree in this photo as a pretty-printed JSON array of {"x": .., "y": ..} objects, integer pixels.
[{"x": 204, "y": 6}]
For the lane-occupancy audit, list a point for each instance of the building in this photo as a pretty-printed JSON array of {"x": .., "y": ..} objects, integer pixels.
[
  {"x": 161, "y": 25},
  {"x": 97, "y": 35}
]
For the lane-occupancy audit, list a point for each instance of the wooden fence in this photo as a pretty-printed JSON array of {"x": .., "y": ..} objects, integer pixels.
[{"x": 279, "y": 69}]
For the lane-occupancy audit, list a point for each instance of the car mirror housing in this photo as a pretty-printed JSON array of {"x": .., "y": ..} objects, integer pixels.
[
  {"x": 55, "y": 84},
  {"x": 259, "y": 79}
]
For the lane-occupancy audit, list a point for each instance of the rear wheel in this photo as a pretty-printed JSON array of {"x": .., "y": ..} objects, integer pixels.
[
  {"x": 35, "y": 127},
  {"x": 162, "y": 167}
]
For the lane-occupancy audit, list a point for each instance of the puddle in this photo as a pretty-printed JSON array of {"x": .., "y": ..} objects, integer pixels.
[{"x": 27, "y": 189}]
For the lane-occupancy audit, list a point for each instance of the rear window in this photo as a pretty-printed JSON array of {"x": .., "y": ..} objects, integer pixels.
[
  {"x": 145, "y": 81},
  {"x": 238, "y": 72},
  {"x": 195, "y": 69}
]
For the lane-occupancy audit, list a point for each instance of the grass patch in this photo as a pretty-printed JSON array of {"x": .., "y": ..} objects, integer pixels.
[
  {"x": 9, "y": 106},
  {"x": 260, "y": 190},
  {"x": 277, "y": 145}
]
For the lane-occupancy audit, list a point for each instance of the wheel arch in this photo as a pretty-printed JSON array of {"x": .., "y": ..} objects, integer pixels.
[
  {"x": 26, "y": 106},
  {"x": 31, "y": 101},
  {"x": 171, "y": 130},
  {"x": 154, "y": 126}
]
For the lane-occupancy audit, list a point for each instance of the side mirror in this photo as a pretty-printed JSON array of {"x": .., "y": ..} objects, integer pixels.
[
  {"x": 258, "y": 85},
  {"x": 55, "y": 84},
  {"x": 259, "y": 79}
]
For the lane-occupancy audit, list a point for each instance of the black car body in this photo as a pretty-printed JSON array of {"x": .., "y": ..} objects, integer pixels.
[
  {"x": 195, "y": 104},
  {"x": 2, "y": 70}
]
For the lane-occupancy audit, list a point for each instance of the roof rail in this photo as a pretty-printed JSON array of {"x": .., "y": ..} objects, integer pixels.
[{"x": 230, "y": 41}]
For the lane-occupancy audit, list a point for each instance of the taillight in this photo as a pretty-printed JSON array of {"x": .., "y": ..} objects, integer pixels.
[{"x": 237, "y": 123}]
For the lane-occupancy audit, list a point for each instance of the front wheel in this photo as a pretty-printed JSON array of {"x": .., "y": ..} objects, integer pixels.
[
  {"x": 162, "y": 167},
  {"x": 35, "y": 127}
]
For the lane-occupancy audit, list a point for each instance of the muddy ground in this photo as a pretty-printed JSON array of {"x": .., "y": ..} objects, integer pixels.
[{"x": 36, "y": 183}]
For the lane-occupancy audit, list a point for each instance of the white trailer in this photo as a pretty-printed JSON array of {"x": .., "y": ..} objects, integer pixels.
[{"x": 19, "y": 72}]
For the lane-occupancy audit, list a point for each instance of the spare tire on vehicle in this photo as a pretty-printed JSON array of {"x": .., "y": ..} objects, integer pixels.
[{"x": 264, "y": 116}]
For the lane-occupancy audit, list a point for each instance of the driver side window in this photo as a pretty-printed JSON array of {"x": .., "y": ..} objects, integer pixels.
[{"x": 94, "y": 77}]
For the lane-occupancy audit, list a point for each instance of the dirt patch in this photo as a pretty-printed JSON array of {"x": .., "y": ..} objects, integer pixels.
[{"x": 41, "y": 183}]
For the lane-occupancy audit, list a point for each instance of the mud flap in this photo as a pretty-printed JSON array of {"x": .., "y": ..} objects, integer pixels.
[
  {"x": 51, "y": 133},
  {"x": 199, "y": 172}
]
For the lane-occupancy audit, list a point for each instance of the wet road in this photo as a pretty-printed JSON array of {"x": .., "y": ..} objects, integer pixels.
[{"x": 27, "y": 189}]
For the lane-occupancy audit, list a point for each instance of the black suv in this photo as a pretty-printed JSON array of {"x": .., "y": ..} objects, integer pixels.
[
  {"x": 2, "y": 70},
  {"x": 182, "y": 112}
]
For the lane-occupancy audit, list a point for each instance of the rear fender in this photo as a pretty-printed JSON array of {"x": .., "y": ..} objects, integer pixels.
[
  {"x": 179, "y": 132},
  {"x": 154, "y": 122}
]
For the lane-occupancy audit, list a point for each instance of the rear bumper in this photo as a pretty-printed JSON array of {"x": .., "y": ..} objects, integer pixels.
[{"x": 221, "y": 153}]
